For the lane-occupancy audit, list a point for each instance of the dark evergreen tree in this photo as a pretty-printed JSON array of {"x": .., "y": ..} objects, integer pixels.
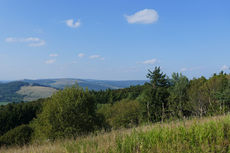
[{"x": 158, "y": 105}]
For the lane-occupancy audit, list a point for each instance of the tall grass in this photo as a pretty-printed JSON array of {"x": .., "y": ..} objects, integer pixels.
[
  {"x": 197, "y": 135},
  {"x": 213, "y": 136}
]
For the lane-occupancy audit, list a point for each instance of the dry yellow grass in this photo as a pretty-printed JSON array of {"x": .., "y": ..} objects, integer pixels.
[{"x": 101, "y": 142}]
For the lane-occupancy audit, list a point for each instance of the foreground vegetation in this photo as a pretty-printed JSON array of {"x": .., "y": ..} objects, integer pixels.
[
  {"x": 76, "y": 113},
  {"x": 210, "y": 134}
]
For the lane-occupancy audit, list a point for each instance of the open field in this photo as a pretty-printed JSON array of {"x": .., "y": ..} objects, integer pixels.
[
  {"x": 210, "y": 134},
  {"x": 31, "y": 93}
]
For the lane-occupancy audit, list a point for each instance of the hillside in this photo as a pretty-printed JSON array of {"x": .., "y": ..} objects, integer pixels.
[
  {"x": 8, "y": 91},
  {"x": 89, "y": 83},
  {"x": 31, "y": 93},
  {"x": 166, "y": 115},
  {"x": 18, "y": 91},
  {"x": 29, "y": 90},
  {"x": 209, "y": 134}
]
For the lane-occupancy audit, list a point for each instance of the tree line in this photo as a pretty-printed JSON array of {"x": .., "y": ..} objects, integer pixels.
[{"x": 73, "y": 111}]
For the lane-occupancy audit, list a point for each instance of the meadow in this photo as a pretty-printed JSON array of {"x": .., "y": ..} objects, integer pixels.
[{"x": 210, "y": 134}]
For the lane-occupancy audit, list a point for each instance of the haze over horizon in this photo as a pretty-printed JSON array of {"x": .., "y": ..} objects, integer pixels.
[{"x": 112, "y": 40}]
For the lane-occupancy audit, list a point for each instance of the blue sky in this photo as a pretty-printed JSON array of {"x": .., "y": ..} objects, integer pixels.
[{"x": 113, "y": 40}]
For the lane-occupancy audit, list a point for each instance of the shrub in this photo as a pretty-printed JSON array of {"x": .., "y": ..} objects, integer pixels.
[
  {"x": 18, "y": 136},
  {"x": 125, "y": 113},
  {"x": 68, "y": 113}
]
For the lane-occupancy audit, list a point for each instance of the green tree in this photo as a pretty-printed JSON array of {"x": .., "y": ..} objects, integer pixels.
[
  {"x": 178, "y": 99},
  {"x": 197, "y": 97},
  {"x": 68, "y": 113},
  {"x": 217, "y": 93},
  {"x": 15, "y": 114},
  {"x": 125, "y": 113},
  {"x": 20, "y": 135},
  {"x": 157, "y": 105}
]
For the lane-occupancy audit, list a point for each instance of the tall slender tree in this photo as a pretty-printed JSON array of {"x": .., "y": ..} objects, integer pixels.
[
  {"x": 158, "y": 104},
  {"x": 178, "y": 99}
]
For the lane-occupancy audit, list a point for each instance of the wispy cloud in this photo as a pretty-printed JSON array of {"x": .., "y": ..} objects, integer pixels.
[
  {"x": 51, "y": 61},
  {"x": 72, "y": 24},
  {"x": 30, "y": 41},
  {"x": 96, "y": 57},
  {"x": 146, "y": 16},
  {"x": 224, "y": 68},
  {"x": 53, "y": 55},
  {"x": 81, "y": 55},
  {"x": 185, "y": 69},
  {"x": 151, "y": 61}
]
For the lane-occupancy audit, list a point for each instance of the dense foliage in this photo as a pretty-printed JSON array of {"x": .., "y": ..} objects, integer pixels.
[
  {"x": 125, "y": 113},
  {"x": 18, "y": 136},
  {"x": 15, "y": 114},
  {"x": 74, "y": 111},
  {"x": 68, "y": 113}
]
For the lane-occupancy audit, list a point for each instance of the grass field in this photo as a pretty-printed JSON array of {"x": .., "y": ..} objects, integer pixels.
[
  {"x": 4, "y": 103},
  {"x": 197, "y": 135},
  {"x": 35, "y": 92}
]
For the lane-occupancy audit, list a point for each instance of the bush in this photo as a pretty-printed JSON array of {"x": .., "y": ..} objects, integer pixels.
[
  {"x": 18, "y": 136},
  {"x": 125, "y": 113},
  {"x": 68, "y": 113},
  {"x": 15, "y": 114}
]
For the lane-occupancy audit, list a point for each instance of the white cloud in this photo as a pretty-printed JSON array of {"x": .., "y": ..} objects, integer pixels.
[
  {"x": 10, "y": 39},
  {"x": 146, "y": 16},
  {"x": 31, "y": 41},
  {"x": 72, "y": 24},
  {"x": 38, "y": 44},
  {"x": 94, "y": 56},
  {"x": 198, "y": 68},
  {"x": 151, "y": 61},
  {"x": 51, "y": 61},
  {"x": 53, "y": 55},
  {"x": 81, "y": 55},
  {"x": 184, "y": 69},
  {"x": 224, "y": 68},
  {"x": 97, "y": 57}
]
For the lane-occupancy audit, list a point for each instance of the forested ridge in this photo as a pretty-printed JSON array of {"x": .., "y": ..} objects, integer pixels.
[
  {"x": 73, "y": 111},
  {"x": 8, "y": 91}
]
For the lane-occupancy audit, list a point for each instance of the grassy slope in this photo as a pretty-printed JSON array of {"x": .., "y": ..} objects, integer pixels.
[
  {"x": 31, "y": 93},
  {"x": 197, "y": 135}
]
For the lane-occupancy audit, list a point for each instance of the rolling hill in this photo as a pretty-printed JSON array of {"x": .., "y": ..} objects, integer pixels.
[
  {"x": 89, "y": 83},
  {"x": 29, "y": 90},
  {"x": 18, "y": 91},
  {"x": 31, "y": 93}
]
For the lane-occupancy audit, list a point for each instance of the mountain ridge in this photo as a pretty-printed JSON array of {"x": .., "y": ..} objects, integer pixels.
[{"x": 29, "y": 90}]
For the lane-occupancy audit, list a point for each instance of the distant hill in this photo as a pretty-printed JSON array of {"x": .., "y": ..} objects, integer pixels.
[
  {"x": 29, "y": 90},
  {"x": 31, "y": 93},
  {"x": 18, "y": 91},
  {"x": 8, "y": 91},
  {"x": 91, "y": 84}
]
